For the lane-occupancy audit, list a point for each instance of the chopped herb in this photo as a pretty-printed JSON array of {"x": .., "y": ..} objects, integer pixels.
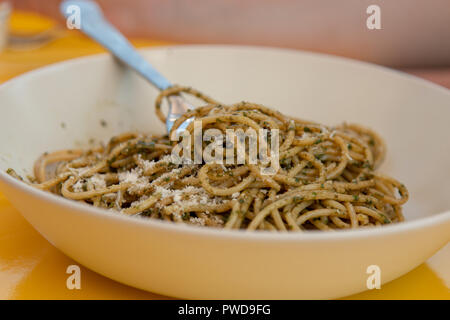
[
  {"x": 306, "y": 129},
  {"x": 146, "y": 213},
  {"x": 355, "y": 197},
  {"x": 385, "y": 219},
  {"x": 145, "y": 144},
  {"x": 367, "y": 165}
]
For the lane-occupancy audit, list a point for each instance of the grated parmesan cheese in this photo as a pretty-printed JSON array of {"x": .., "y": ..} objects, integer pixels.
[
  {"x": 197, "y": 221},
  {"x": 78, "y": 186},
  {"x": 139, "y": 186},
  {"x": 130, "y": 176},
  {"x": 98, "y": 181},
  {"x": 235, "y": 195}
]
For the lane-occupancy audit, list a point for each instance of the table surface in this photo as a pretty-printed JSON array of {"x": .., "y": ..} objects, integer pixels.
[{"x": 31, "y": 268}]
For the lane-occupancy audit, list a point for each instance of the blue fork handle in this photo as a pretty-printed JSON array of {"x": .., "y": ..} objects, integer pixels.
[{"x": 94, "y": 25}]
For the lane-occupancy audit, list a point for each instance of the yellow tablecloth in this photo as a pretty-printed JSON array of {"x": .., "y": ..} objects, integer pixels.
[{"x": 31, "y": 268}]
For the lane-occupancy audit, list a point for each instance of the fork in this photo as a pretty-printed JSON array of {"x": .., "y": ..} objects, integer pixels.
[{"x": 95, "y": 26}]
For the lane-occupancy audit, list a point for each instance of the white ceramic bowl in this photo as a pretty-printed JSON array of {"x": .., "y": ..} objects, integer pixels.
[{"x": 196, "y": 262}]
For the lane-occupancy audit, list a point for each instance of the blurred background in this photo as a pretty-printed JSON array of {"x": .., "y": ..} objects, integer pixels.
[
  {"x": 414, "y": 37},
  {"x": 414, "y": 34}
]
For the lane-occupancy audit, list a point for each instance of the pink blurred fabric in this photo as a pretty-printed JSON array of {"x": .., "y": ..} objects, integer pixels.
[
  {"x": 439, "y": 76},
  {"x": 413, "y": 32}
]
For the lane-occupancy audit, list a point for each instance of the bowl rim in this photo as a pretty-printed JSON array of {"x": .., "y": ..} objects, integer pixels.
[{"x": 259, "y": 235}]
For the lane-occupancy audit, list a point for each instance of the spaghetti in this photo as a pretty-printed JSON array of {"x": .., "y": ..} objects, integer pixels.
[{"x": 327, "y": 178}]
